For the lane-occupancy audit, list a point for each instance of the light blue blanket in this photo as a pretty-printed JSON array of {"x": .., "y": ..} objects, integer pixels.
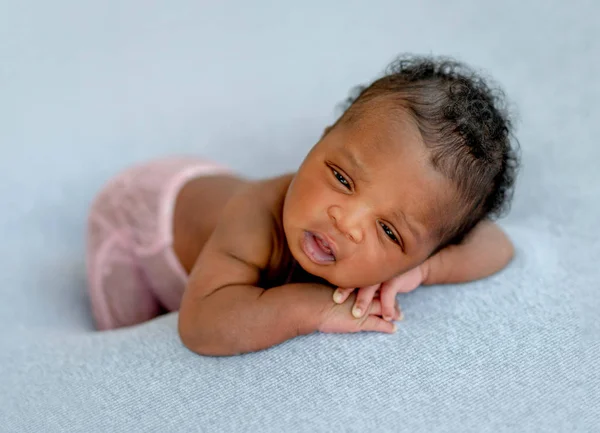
[{"x": 87, "y": 88}]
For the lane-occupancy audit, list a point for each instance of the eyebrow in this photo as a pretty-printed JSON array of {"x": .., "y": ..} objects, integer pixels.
[
  {"x": 399, "y": 215},
  {"x": 355, "y": 162}
]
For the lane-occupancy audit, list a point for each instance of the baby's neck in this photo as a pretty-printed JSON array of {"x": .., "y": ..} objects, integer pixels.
[{"x": 297, "y": 274}]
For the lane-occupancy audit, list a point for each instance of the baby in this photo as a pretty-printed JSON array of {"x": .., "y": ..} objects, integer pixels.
[{"x": 397, "y": 193}]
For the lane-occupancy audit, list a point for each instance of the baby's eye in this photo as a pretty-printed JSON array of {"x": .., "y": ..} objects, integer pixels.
[
  {"x": 340, "y": 178},
  {"x": 389, "y": 233}
]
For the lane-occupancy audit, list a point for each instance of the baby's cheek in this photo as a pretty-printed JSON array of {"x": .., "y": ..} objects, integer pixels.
[
  {"x": 382, "y": 270},
  {"x": 361, "y": 274}
]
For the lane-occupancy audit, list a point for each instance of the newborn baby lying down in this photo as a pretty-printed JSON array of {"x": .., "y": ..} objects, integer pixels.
[{"x": 399, "y": 192}]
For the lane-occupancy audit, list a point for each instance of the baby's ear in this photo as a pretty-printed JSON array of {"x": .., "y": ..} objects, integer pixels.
[{"x": 326, "y": 131}]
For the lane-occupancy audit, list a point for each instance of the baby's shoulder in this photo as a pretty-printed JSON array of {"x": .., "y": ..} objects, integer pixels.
[
  {"x": 265, "y": 198},
  {"x": 272, "y": 191},
  {"x": 252, "y": 223}
]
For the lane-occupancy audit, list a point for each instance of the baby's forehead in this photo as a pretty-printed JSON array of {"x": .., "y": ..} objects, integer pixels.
[
  {"x": 384, "y": 128},
  {"x": 380, "y": 146}
]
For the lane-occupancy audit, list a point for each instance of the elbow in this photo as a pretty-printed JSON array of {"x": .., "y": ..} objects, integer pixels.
[
  {"x": 193, "y": 337},
  {"x": 508, "y": 251},
  {"x": 511, "y": 251},
  {"x": 189, "y": 338},
  {"x": 502, "y": 244},
  {"x": 200, "y": 339},
  {"x": 194, "y": 329}
]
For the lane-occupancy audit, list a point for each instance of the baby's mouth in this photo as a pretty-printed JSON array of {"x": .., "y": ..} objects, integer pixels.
[{"x": 317, "y": 249}]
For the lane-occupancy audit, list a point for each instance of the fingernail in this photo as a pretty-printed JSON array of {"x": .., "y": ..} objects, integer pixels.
[
  {"x": 395, "y": 328},
  {"x": 337, "y": 297},
  {"x": 399, "y": 312},
  {"x": 387, "y": 318},
  {"x": 357, "y": 312}
]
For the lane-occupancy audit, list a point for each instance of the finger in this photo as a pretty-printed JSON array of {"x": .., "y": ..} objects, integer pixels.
[
  {"x": 399, "y": 314},
  {"x": 375, "y": 308},
  {"x": 388, "y": 303},
  {"x": 364, "y": 298},
  {"x": 377, "y": 324},
  {"x": 340, "y": 295}
]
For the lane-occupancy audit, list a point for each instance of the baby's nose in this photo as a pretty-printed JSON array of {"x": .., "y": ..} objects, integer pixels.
[
  {"x": 348, "y": 222},
  {"x": 355, "y": 234}
]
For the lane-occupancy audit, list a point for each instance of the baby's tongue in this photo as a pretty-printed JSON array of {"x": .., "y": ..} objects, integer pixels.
[
  {"x": 322, "y": 246},
  {"x": 323, "y": 253}
]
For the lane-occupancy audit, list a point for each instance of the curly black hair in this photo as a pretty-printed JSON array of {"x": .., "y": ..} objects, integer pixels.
[{"x": 465, "y": 123}]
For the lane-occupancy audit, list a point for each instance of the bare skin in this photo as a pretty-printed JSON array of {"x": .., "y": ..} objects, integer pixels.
[
  {"x": 226, "y": 308},
  {"x": 254, "y": 278},
  {"x": 198, "y": 209},
  {"x": 200, "y": 205}
]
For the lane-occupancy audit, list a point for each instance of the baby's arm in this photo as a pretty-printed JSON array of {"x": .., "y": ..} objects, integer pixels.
[
  {"x": 224, "y": 312},
  {"x": 484, "y": 251}
]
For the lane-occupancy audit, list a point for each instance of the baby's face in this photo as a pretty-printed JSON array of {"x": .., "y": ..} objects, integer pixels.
[{"x": 366, "y": 204}]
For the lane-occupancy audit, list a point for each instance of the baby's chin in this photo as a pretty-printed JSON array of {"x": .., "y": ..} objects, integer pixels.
[
  {"x": 325, "y": 274},
  {"x": 320, "y": 273}
]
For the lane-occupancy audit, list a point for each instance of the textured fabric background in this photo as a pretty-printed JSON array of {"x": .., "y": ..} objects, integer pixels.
[{"x": 87, "y": 88}]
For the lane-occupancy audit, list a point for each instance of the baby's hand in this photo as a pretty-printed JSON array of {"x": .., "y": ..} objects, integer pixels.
[
  {"x": 338, "y": 318},
  {"x": 403, "y": 283}
]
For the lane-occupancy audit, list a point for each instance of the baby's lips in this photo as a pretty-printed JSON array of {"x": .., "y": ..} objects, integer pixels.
[{"x": 331, "y": 245}]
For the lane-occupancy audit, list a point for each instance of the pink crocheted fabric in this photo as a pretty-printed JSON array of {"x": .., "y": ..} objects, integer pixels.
[{"x": 133, "y": 272}]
